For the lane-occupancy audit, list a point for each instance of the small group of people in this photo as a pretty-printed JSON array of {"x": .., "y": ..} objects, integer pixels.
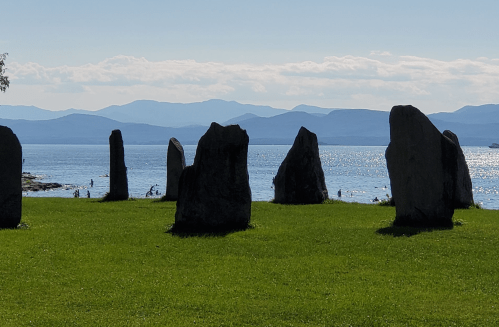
[
  {"x": 77, "y": 193},
  {"x": 374, "y": 200},
  {"x": 150, "y": 192}
]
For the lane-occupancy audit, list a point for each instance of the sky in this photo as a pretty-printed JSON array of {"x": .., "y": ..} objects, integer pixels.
[{"x": 436, "y": 55}]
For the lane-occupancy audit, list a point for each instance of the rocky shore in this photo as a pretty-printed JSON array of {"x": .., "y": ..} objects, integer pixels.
[{"x": 31, "y": 184}]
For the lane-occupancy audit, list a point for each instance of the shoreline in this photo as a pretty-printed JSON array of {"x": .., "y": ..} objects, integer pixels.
[{"x": 30, "y": 184}]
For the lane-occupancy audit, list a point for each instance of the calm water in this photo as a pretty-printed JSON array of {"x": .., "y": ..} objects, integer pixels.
[{"x": 360, "y": 172}]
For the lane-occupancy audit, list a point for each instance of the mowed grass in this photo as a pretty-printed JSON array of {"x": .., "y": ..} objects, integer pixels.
[{"x": 81, "y": 262}]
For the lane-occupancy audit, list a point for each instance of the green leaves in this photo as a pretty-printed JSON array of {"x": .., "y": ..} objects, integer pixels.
[{"x": 4, "y": 80}]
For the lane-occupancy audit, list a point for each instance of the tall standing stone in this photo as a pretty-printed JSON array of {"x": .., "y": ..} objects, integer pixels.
[
  {"x": 214, "y": 193},
  {"x": 10, "y": 179},
  {"x": 422, "y": 164},
  {"x": 463, "y": 197},
  {"x": 118, "y": 183},
  {"x": 300, "y": 178},
  {"x": 175, "y": 164}
]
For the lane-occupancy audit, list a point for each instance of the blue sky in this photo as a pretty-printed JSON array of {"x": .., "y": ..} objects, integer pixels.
[{"x": 436, "y": 55}]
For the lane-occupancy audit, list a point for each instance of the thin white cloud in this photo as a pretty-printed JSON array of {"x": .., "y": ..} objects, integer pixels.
[
  {"x": 380, "y": 53},
  {"x": 347, "y": 81}
]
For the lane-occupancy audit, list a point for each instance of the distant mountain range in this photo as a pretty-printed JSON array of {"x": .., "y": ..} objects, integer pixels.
[
  {"x": 89, "y": 129},
  {"x": 163, "y": 114},
  {"x": 151, "y": 122}
]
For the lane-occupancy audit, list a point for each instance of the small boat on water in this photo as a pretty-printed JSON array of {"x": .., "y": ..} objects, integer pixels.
[{"x": 494, "y": 146}]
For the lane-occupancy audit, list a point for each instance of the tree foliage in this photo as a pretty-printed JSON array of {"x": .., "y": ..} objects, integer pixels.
[{"x": 4, "y": 80}]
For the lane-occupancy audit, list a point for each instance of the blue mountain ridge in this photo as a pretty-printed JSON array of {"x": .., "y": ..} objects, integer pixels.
[
  {"x": 484, "y": 114},
  {"x": 90, "y": 129},
  {"x": 473, "y": 125},
  {"x": 164, "y": 114}
]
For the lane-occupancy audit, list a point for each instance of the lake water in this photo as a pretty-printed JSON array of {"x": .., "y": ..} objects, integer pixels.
[{"x": 359, "y": 171}]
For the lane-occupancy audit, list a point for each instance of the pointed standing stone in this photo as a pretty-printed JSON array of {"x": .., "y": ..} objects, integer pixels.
[
  {"x": 175, "y": 164},
  {"x": 118, "y": 183},
  {"x": 214, "y": 193},
  {"x": 464, "y": 188},
  {"x": 10, "y": 178},
  {"x": 422, "y": 165},
  {"x": 300, "y": 178}
]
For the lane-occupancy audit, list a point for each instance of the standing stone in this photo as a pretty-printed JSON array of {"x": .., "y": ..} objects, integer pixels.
[
  {"x": 300, "y": 178},
  {"x": 214, "y": 193},
  {"x": 175, "y": 164},
  {"x": 10, "y": 178},
  {"x": 422, "y": 164},
  {"x": 464, "y": 188},
  {"x": 118, "y": 183}
]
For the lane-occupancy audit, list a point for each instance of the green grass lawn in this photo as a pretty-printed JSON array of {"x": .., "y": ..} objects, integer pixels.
[{"x": 81, "y": 262}]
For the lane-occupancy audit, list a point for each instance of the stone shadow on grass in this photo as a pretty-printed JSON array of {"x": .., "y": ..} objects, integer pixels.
[
  {"x": 192, "y": 231},
  {"x": 408, "y": 231},
  {"x": 108, "y": 197}
]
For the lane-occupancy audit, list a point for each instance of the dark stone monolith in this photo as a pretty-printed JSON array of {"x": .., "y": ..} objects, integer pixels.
[
  {"x": 300, "y": 178},
  {"x": 10, "y": 179},
  {"x": 422, "y": 164},
  {"x": 175, "y": 164},
  {"x": 463, "y": 197},
  {"x": 118, "y": 183},
  {"x": 214, "y": 193}
]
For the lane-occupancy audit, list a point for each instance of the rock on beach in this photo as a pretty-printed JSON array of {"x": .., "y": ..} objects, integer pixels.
[{"x": 31, "y": 184}]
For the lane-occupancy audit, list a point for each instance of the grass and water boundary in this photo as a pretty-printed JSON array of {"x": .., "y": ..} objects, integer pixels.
[{"x": 82, "y": 262}]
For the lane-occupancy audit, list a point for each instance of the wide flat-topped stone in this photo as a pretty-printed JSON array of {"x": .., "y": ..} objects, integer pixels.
[{"x": 214, "y": 193}]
